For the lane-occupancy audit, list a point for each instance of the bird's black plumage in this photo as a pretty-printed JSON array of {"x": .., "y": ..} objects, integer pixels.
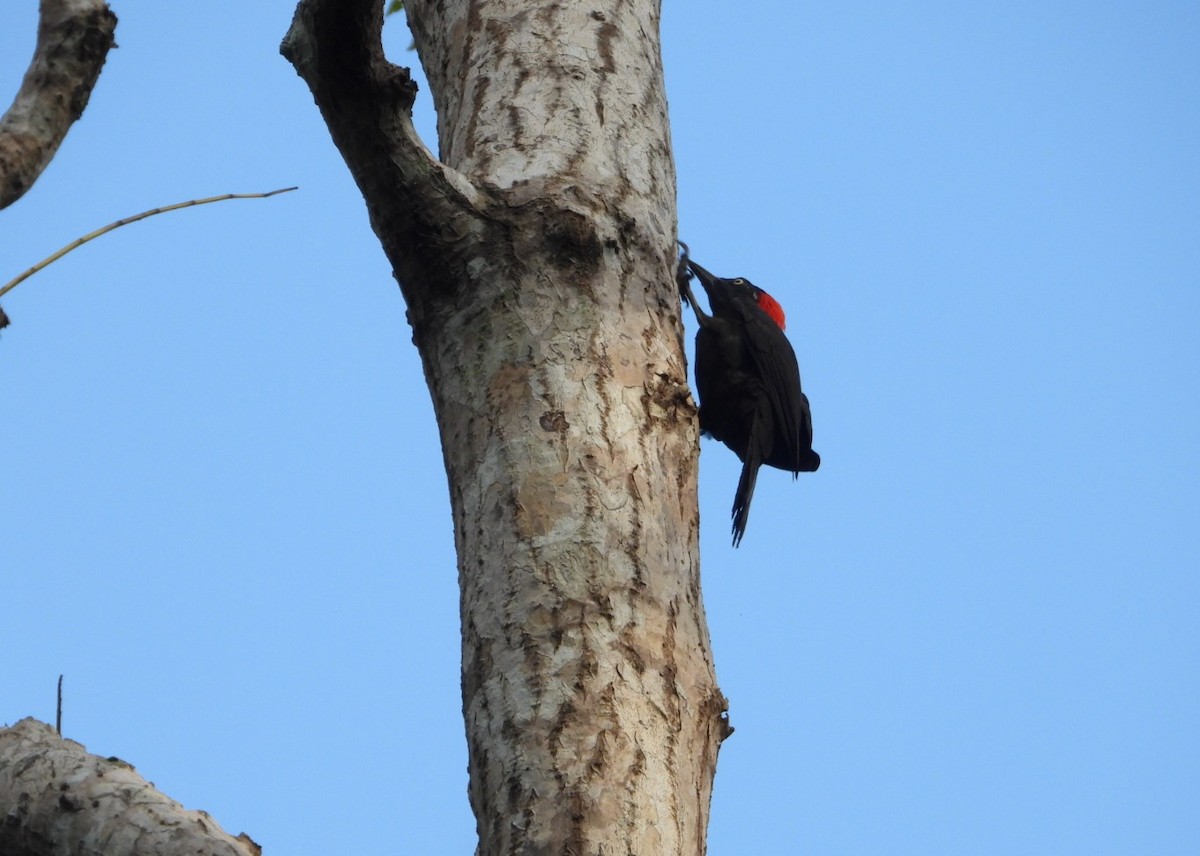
[{"x": 749, "y": 382}]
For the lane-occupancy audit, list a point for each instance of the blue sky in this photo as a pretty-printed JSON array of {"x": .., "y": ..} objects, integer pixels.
[{"x": 973, "y": 631}]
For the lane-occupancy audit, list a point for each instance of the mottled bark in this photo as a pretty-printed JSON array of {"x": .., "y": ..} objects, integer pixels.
[
  {"x": 537, "y": 259},
  {"x": 73, "y": 39},
  {"x": 57, "y": 799}
]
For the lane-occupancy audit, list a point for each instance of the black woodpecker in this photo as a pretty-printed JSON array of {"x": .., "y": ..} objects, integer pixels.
[{"x": 749, "y": 381}]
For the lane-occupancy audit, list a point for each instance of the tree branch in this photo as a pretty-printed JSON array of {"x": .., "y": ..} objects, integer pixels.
[
  {"x": 427, "y": 215},
  {"x": 74, "y": 37},
  {"x": 56, "y": 798}
]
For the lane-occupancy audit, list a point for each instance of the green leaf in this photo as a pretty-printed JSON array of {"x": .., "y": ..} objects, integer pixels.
[{"x": 395, "y": 6}]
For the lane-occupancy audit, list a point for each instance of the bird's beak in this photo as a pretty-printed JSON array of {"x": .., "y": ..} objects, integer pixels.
[{"x": 706, "y": 278}]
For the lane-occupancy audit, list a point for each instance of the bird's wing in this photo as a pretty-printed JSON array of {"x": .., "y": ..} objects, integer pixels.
[{"x": 775, "y": 362}]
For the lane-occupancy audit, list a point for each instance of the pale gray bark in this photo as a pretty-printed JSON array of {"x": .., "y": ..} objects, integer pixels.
[
  {"x": 537, "y": 261},
  {"x": 73, "y": 39},
  {"x": 57, "y": 800}
]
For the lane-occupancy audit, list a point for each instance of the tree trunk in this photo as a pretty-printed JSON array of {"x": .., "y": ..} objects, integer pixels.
[{"x": 537, "y": 261}]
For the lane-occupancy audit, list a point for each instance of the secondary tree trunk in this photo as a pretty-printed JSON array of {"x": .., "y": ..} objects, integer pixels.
[
  {"x": 74, "y": 37},
  {"x": 73, "y": 40},
  {"x": 57, "y": 799},
  {"x": 537, "y": 260}
]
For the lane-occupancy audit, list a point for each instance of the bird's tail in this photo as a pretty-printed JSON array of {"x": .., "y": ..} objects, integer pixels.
[{"x": 745, "y": 491}]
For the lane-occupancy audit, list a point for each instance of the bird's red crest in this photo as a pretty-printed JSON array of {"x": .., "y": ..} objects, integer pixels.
[{"x": 771, "y": 306}]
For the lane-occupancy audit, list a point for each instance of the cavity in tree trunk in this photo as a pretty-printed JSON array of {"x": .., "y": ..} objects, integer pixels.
[{"x": 536, "y": 256}]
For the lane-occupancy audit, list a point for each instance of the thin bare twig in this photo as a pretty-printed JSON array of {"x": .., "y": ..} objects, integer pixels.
[{"x": 78, "y": 242}]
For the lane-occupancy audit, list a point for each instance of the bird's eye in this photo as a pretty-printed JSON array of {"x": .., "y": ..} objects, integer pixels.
[{"x": 739, "y": 281}]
